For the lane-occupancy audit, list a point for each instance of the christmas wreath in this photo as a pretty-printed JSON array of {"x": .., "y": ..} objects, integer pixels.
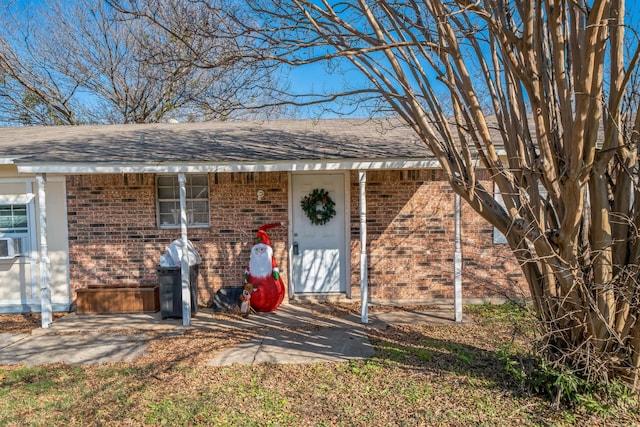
[{"x": 318, "y": 206}]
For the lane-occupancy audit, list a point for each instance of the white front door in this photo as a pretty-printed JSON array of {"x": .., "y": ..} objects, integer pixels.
[{"x": 319, "y": 251}]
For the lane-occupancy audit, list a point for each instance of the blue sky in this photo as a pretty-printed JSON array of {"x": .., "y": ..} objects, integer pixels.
[{"x": 314, "y": 78}]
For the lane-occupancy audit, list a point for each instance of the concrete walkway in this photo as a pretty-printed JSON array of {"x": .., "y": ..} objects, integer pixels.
[
  {"x": 295, "y": 333},
  {"x": 334, "y": 344},
  {"x": 74, "y": 349}
]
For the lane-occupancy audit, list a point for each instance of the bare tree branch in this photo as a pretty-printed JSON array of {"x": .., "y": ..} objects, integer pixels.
[{"x": 81, "y": 61}]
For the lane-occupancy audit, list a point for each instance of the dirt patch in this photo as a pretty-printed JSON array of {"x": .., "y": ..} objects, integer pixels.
[{"x": 19, "y": 323}]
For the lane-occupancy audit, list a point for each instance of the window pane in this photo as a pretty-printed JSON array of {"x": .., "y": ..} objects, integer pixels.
[
  {"x": 168, "y": 193},
  {"x": 198, "y": 212},
  {"x": 13, "y": 218},
  {"x": 197, "y": 192},
  {"x": 197, "y": 180},
  {"x": 20, "y": 216},
  {"x": 19, "y": 222},
  {"x": 197, "y": 205},
  {"x": 167, "y": 207},
  {"x": 5, "y": 211},
  {"x": 20, "y": 210},
  {"x": 6, "y": 219},
  {"x": 167, "y": 181},
  {"x": 169, "y": 213},
  {"x": 167, "y": 219}
]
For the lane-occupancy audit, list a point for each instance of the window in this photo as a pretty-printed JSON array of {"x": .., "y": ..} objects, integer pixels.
[
  {"x": 14, "y": 230},
  {"x": 498, "y": 237},
  {"x": 197, "y": 187}
]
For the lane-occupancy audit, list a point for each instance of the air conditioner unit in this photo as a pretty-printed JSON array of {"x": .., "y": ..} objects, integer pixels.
[{"x": 10, "y": 247}]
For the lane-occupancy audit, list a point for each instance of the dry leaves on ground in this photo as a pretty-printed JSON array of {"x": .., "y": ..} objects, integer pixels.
[{"x": 19, "y": 323}]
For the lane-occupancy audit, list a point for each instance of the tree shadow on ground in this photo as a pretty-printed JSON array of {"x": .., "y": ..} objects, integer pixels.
[{"x": 465, "y": 351}]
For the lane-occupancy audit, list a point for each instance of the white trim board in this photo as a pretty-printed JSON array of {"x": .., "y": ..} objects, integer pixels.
[{"x": 285, "y": 166}]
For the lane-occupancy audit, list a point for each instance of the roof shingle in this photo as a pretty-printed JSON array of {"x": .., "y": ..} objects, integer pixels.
[{"x": 269, "y": 141}]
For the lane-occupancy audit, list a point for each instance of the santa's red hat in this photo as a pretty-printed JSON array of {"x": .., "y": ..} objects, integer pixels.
[{"x": 262, "y": 236}]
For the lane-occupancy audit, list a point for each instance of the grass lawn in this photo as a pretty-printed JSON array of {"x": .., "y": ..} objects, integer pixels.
[{"x": 419, "y": 376}]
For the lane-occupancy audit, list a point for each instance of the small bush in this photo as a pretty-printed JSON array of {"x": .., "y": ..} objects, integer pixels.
[{"x": 564, "y": 386}]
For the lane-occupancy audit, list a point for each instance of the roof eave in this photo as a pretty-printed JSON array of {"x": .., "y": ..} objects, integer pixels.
[
  {"x": 202, "y": 167},
  {"x": 9, "y": 160}
]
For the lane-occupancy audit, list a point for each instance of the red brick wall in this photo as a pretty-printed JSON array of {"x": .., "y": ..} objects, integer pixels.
[
  {"x": 114, "y": 237},
  {"x": 236, "y": 215},
  {"x": 410, "y": 235},
  {"x": 489, "y": 269},
  {"x": 112, "y": 232}
]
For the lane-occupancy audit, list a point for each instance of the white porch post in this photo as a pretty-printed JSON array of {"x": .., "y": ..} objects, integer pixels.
[
  {"x": 45, "y": 276},
  {"x": 364, "y": 264},
  {"x": 184, "y": 262},
  {"x": 457, "y": 263}
]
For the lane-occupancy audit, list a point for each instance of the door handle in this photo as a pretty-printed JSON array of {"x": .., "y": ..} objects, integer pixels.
[{"x": 296, "y": 249}]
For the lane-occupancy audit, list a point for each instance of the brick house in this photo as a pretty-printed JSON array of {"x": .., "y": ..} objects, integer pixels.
[{"x": 111, "y": 203}]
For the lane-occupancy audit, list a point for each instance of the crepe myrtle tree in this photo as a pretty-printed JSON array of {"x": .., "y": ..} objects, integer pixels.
[{"x": 542, "y": 95}]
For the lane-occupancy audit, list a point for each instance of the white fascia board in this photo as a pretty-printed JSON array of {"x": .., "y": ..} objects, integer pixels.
[
  {"x": 8, "y": 160},
  {"x": 285, "y": 166}
]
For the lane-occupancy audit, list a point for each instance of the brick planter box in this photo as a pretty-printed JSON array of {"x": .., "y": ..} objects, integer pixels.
[{"x": 118, "y": 299}]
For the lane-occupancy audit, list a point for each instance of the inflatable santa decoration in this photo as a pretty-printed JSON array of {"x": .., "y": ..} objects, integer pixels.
[{"x": 264, "y": 289}]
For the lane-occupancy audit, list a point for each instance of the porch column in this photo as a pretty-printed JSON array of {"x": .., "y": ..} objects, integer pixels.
[
  {"x": 45, "y": 276},
  {"x": 364, "y": 264},
  {"x": 457, "y": 263},
  {"x": 184, "y": 262}
]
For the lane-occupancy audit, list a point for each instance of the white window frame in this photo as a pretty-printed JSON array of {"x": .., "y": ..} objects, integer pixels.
[
  {"x": 193, "y": 200},
  {"x": 26, "y": 235}
]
